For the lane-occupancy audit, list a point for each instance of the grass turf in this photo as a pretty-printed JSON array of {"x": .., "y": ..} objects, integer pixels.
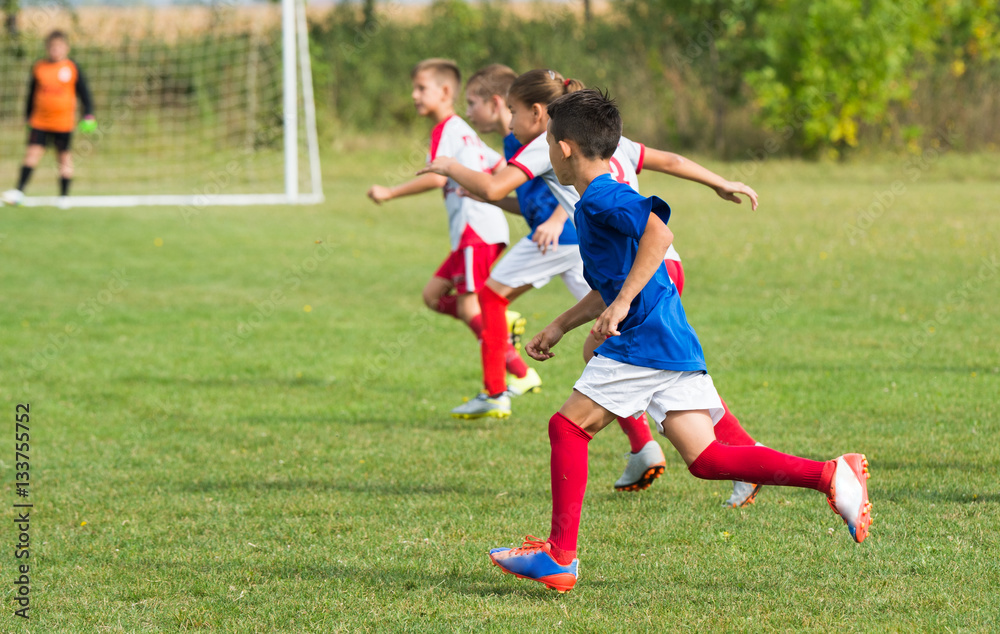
[{"x": 236, "y": 428}]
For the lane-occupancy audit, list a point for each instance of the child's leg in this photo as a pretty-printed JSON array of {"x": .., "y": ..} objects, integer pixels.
[
  {"x": 728, "y": 430},
  {"x": 691, "y": 433},
  {"x": 570, "y": 431},
  {"x": 32, "y": 156},
  {"x": 498, "y": 355},
  {"x": 65, "y": 171}
]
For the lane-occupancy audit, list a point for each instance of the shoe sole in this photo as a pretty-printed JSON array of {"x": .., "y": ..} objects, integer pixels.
[
  {"x": 860, "y": 533},
  {"x": 483, "y": 415},
  {"x": 561, "y": 583},
  {"x": 752, "y": 498},
  {"x": 517, "y": 328},
  {"x": 645, "y": 480},
  {"x": 533, "y": 390}
]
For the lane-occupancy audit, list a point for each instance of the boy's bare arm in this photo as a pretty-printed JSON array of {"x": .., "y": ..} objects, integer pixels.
[
  {"x": 677, "y": 165},
  {"x": 489, "y": 187},
  {"x": 540, "y": 346},
  {"x": 653, "y": 245},
  {"x": 547, "y": 234},
  {"x": 418, "y": 185}
]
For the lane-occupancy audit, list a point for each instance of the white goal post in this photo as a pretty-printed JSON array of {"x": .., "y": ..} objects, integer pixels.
[{"x": 162, "y": 141}]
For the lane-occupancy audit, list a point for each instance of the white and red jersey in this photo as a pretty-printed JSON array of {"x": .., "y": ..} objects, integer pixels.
[
  {"x": 470, "y": 222},
  {"x": 626, "y": 163}
]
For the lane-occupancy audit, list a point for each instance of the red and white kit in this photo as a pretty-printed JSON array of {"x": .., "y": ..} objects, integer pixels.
[{"x": 478, "y": 230}]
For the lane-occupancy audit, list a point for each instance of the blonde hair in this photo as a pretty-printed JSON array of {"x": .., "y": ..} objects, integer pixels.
[
  {"x": 542, "y": 86},
  {"x": 494, "y": 79},
  {"x": 444, "y": 71}
]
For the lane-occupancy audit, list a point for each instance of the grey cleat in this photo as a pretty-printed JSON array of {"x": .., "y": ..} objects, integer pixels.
[
  {"x": 484, "y": 407},
  {"x": 744, "y": 494}
]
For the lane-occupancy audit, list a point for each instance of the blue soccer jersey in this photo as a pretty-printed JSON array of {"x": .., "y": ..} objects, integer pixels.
[
  {"x": 610, "y": 219},
  {"x": 536, "y": 201}
]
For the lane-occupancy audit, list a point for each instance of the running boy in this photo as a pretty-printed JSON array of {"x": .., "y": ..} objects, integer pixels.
[
  {"x": 478, "y": 230},
  {"x": 527, "y": 99},
  {"x": 651, "y": 360},
  {"x": 549, "y": 250},
  {"x": 56, "y": 83}
]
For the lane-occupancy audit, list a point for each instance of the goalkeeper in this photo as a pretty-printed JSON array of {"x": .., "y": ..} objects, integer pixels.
[{"x": 50, "y": 112}]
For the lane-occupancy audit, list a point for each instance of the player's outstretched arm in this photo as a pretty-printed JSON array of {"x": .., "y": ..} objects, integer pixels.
[
  {"x": 540, "y": 346},
  {"x": 653, "y": 245},
  {"x": 489, "y": 187},
  {"x": 425, "y": 183},
  {"x": 677, "y": 165}
]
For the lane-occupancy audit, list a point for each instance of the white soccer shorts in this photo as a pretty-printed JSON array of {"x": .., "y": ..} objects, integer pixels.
[
  {"x": 525, "y": 264},
  {"x": 628, "y": 390}
]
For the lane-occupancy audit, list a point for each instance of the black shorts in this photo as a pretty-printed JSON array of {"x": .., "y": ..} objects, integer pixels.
[{"x": 59, "y": 140}]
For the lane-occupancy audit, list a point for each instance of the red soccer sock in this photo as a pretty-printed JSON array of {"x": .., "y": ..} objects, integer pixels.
[
  {"x": 515, "y": 364},
  {"x": 762, "y": 465},
  {"x": 495, "y": 342},
  {"x": 728, "y": 430},
  {"x": 637, "y": 430},
  {"x": 448, "y": 305},
  {"x": 569, "y": 484}
]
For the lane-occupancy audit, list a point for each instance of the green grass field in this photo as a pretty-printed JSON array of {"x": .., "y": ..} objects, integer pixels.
[{"x": 234, "y": 428}]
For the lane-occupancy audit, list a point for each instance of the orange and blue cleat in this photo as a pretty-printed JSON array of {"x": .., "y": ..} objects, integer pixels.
[
  {"x": 533, "y": 561},
  {"x": 849, "y": 494}
]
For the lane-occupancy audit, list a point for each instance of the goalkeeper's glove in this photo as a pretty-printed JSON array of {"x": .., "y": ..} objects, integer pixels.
[{"x": 88, "y": 125}]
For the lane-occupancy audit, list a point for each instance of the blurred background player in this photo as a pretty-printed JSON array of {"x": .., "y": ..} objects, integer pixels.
[
  {"x": 56, "y": 83},
  {"x": 528, "y": 99},
  {"x": 550, "y": 249},
  {"x": 478, "y": 230}
]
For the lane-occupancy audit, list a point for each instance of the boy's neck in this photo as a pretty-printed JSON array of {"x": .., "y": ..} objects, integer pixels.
[
  {"x": 505, "y": 118},
  {"x": 443, "y": 113},
  {"x": 587, "y": 170}
]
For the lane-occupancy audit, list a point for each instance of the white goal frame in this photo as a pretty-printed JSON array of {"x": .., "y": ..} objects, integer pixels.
[{"x": 294, "y": 56}]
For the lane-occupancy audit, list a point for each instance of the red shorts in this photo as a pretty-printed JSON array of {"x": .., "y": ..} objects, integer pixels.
[{"x": 469, "y": 267}]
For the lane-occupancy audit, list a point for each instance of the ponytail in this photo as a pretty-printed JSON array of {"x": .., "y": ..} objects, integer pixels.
[{"x": 542, "y": 86}]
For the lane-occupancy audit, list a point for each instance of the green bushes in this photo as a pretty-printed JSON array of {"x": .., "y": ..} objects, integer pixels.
[{"x": 735, "y": 77}]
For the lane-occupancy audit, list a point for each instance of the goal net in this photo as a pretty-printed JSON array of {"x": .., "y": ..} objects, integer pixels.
[{"x": 195, "y": 105}]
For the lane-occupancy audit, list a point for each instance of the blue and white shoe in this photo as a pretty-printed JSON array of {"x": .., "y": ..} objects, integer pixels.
[{"x": 533, "y": 561}]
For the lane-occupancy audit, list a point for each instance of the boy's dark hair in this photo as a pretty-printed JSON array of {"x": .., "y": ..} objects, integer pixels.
[
  {"x": 589, "y": 118},
  {"x": 56, "y": 35},
  {"x": 444, "y": 70},
  {"x": 494, "y": 79}
]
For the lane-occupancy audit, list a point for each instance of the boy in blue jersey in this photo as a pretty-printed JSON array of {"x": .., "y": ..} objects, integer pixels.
[
  {"x": 549, "y": 250},
  {"x": 651, "y": 359}
]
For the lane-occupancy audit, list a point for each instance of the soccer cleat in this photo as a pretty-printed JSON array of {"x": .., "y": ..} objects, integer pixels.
[
  {"x": 643, "y": 467},
  {"x": 530, "y": 382},
  {"x": 744, "y": 494},
  {"x": 484, "y": 407},
  {"x": 13, "y": 197},
  {"x": 63, "y": 202},
  {"x": 533, "y": 561},
  {"x": 515, "y": 326},
  {"x": 849, "y": 494}
]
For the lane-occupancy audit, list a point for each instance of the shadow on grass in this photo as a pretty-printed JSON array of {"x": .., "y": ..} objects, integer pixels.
[
  {"x": 486, "y": 581},
  {"x": 376, "y": 488},
  {"x": 900, "y": 494}
]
